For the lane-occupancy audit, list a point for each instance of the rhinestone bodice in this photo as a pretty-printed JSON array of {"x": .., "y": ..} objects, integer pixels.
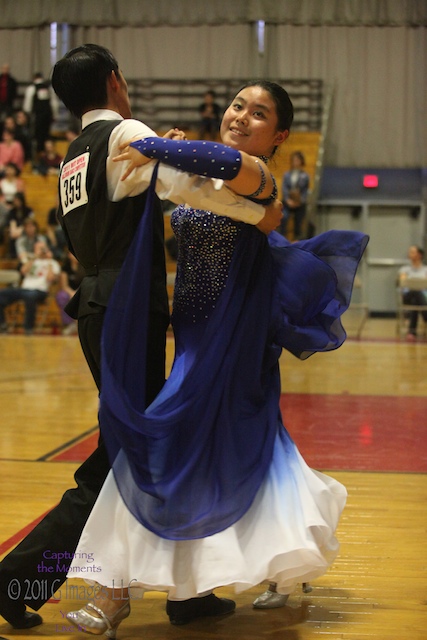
[{"x": 205, "y": 248}]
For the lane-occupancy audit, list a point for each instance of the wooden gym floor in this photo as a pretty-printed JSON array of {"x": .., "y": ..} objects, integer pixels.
[{"x": 359, "y": 413}]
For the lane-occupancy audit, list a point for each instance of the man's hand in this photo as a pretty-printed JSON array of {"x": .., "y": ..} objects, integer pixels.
[{"x": 272, "y": 218}]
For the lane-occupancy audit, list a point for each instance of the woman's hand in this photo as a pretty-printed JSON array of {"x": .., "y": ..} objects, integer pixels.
[
  {"x": 137, "y": 159},
  {"x": 272, "y": 218},
  {"x": 132, "y": 156},
  {"x": 175, "y": 134}
]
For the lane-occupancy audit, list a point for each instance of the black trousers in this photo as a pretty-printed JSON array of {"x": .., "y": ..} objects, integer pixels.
[{"x": 37, "y": 568}]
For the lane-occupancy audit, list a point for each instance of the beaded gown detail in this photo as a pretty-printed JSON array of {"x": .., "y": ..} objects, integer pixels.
[{"x": 207, "y": 487}]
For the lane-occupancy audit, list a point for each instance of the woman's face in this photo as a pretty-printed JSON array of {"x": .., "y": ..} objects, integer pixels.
[
  {"x": 296, "y": 162},
  {"x": 10, "y": 172},
  {"x": 414, "y": 254},
  {"x": 9, "y": 123},
  {"x": 21, "y": 118},
  {"x": 30, "y": 229},
  {"x": 250, "y": 123}
]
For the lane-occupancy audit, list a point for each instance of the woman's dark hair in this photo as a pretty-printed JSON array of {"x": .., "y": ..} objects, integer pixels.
[
  {"x": 19, "y": 195},
  {"x": 300, "y": 155},
  {"x": 284, "y": 107},
  {"x": 15, "y": 168},
  {"x": 79, "y": 79}
]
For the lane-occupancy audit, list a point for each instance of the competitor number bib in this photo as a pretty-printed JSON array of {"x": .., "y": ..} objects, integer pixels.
[{"x": 72, "y": 183}]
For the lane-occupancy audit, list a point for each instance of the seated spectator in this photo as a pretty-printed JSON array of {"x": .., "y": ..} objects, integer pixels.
[
  {"x": 24, "y": 245},
  {"x": 39, "y": 273},
  {"x": 18, "y": 213},
  {"x": 416, "y": 269},
  {"x": 23, "y": 134},
  {"x": 9, "y": 124},
  {"x": 55, "y": 234},
  {"x": 4, "y": 214},
  {"x": 11, "y": 183},
  {"x": 10, "y": 151},
  {"x": 72, "y": 273},
  {"x": 48, "y": 160},
  {"x": 210, "y": 114}
]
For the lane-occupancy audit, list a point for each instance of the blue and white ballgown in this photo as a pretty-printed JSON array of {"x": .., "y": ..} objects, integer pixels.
[{"x": 207, "y": 488}]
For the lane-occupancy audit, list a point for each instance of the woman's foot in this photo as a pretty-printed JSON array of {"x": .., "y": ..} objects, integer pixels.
[
  {"x": 270, "y": 600},
  {"x": 103, "y": 614}
]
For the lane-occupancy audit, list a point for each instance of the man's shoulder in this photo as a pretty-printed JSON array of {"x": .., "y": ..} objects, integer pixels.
[
  {"x": 130, "y": 126},
  {"x": 120, "y": 127},
  {"x": 128, "y": 129}
]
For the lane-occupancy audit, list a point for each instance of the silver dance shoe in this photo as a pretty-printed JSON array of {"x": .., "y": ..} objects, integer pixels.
[
  {"x": 270, "y": 600},
  {"x": 87, "y": 622}
]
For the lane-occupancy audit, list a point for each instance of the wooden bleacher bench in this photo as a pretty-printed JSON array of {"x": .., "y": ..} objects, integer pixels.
[{"x": 40, "y": 194}]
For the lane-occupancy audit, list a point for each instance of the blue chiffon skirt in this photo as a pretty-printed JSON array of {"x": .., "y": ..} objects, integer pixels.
[{"x": 191, "y": 464}]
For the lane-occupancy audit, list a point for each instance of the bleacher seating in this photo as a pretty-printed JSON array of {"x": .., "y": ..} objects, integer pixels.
[{"x": 40, "y": 193}]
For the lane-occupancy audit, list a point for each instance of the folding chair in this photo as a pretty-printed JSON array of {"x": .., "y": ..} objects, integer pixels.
[
  {"x": 411, "y": 284},
  {"x": 358, "y": 308}
]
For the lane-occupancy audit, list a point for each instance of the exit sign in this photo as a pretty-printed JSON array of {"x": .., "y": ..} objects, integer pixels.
[{"x": 370, "y": 181}]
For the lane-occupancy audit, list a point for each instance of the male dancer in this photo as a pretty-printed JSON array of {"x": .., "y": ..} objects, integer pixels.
[{"x": 99, "y": 213}]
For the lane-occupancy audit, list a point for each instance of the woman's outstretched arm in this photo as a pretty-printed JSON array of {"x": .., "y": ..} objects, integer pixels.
[{"x": 245, "y": 174}]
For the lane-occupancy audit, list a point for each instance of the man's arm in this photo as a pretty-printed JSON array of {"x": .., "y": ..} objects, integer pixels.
[{"x": 172, "y": 184}]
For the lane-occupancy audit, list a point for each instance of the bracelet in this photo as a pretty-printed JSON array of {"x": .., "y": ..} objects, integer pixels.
[
  {"x": 263, "y": 182},
  {"x": 266, "y": 201}
]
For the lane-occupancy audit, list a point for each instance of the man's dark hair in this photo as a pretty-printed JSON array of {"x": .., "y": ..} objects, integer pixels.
[{"x": 79, "y": 79}]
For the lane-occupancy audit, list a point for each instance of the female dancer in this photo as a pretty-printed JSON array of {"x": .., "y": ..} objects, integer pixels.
[{"x": 207, "y": 474}]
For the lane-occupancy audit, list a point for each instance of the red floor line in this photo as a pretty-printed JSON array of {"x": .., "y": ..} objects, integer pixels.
[
  {"x": 62, "y": 452},
  {"x": 78, "y": 451}
]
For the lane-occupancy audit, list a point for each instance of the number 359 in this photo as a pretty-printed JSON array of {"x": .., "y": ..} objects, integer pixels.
[{"x": 72, "y": 189}]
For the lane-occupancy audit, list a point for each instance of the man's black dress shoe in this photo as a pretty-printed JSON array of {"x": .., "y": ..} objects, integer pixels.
[
  {"x": 15, "y": 614},
  {"x": 185, "y": 611}
]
